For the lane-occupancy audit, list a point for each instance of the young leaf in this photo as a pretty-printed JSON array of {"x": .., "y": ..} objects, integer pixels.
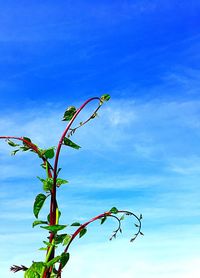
[
  {"x": 71, "y": 144},
  {"x": 39, "y": 201},
  {"x": 48, "y": 184},
  {"x": 69, "y": 113},
  {"x": 114, "y": 210},
  {"x": 49, "y": 153},
  {"x": 64, "y": 259},
  {"x": 54, "y": 228},
  {"x": 35, "y": 270},
  {"x": 67, "y": 239},
  {"x": 38, "y": 222},
  {"x": 103, "y": 98},
  {"x": 53, "y": 261},
  {"x": 103, "y": 219},
  {"x": 11, "y": 143},
  {"x": 14, "y": 152},
  {"x": 83, "y": 232},
  {"x": 60, "y": 181},
  {"x": 76, "y": 224},
  {"x": 59, "y": 238},
  {"x": 43, "y": 248}
]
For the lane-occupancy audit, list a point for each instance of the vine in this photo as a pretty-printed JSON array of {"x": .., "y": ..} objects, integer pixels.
[{"x": 53, "y": 264}]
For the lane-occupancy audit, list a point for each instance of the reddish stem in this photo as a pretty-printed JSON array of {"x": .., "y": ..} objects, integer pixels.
[
  {"x": 53, "y": 204},
  {"x": 53, "y": 212}
]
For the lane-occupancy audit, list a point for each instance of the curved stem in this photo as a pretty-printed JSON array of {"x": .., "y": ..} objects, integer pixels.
[
  {"x": 52, "y": 214},
  {"x": 77, "y": 232},
  {"x": 53, "y": 204},
  {"x": 86, "y": 121},
  {"x": 32, "y": 146},
  {"x": 105, "y": 214}
]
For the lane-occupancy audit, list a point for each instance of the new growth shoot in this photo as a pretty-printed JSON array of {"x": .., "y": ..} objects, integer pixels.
[{"x": 53, "y": 264}]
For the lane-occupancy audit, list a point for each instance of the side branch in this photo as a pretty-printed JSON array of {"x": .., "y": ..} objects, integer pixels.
[{"x": 103, "y": 216}]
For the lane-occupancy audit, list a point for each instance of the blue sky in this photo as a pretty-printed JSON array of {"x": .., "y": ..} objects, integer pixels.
[{"x": 142, "y": 152}]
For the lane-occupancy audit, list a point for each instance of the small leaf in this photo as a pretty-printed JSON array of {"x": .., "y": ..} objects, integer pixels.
[
  {"x": 59, "y": 169},
  {"x": 141, "y": 233},
  {"x": 122, "y": 217},
  {"x": 82, "y": 232},
  {"x": 14, "y": 152},
  {"x": 103, "y": 98},
  {"x": 54, "y": 228},
  {"x": 53, "y": 261},
  {"x": 48, "y": 184},
  {"x": 140, "y": 216},
  {"x": 35, "y": 270},
  {"x": 59, "y": 238},
  {"x": 39, "y": 201},
  {"x": 114, "y": 210},
  {"x": 67, "y": 239},
  {"x": 61, "y": 181},
  {"x": 43, "y": 165},
  {"x": 49, "y": 153},
  {"x": 136, "y": 225},
  {"x": 71, "y": 144},
  {"x": 103, "y": 219},
  {"x": 64, "y": 259},
  {"x": 69, "y": 113},
  {"x": 38, "y": 222},
  {"x": 76, "y": 224},
  {"x": 43, "y": 248},
  {"x": 11, "y": 143}
]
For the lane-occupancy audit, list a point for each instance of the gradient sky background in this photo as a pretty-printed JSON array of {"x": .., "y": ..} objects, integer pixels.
[{"x": 142, "y": 153}]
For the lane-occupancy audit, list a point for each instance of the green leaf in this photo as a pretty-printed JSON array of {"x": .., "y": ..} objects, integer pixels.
[
  {"x": 83, "y": 232},
  {"x": 71, "y": 144},
  {"x": 64, "y": 259},
  {"x": 34, "y": 271},
  {"x": 54, "y": 228},
  {"x": 122, "y": 217},
  {"x": 103, "y": 98},
  {"x": 60, "y": 181},
  {"x": 59, "y": 238},
  {"x": 53, "y": 261},
  {"x": 27, "y": 139},
  {"x": 48, "y": 184},
  {"x": 69, "y": 113},
  {"x": 43, "y": 248},
  {"x": 38, "y": 222},
  {"x": 49, "y": 153},
  {"x": 67, "y": 239},
  {"x": 103, "y": 219},
  {"x": 14, "y": 152},
  {"x": 76, "y": 224},
  {"x": 25, "y": 148},
  {"x": 11, "y": 143},
  {"x": 114, "y": 210},
  {"x": 39, "y": 201}
]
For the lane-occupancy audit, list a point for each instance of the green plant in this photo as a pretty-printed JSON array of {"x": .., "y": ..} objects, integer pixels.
[{"x": 53, "y": 264}]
